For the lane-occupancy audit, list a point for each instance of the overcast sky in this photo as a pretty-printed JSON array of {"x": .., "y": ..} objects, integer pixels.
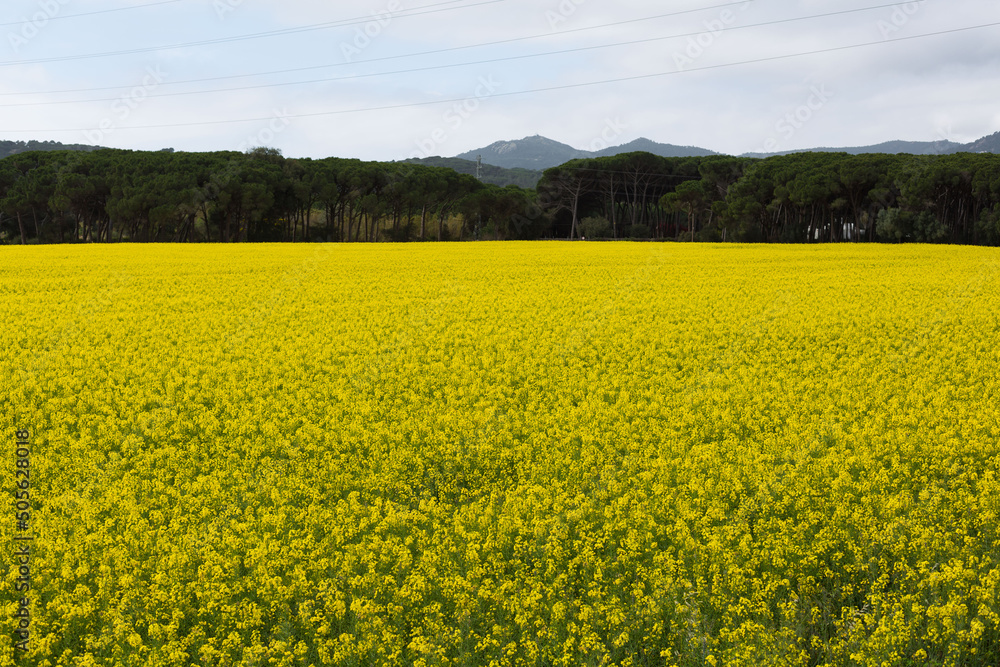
[{"x": 392, "y": 79}]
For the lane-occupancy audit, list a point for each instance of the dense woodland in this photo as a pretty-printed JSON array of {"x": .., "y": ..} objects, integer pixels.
[
  {"x": 798, "y": 198},
  {"x": 488, "y": 173},
  {"x": 114, "y": 196}
]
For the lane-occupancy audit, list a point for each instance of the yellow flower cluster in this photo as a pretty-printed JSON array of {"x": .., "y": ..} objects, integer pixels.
[{"x": 505, "y": 454}]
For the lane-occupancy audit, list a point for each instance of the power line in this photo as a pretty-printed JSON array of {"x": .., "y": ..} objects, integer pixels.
[
  {"x": 240, "y": 38},
  {"x": 409, "y": 55},
  {"x": 58, "y": 17},
  {"x": 461, "y": 64},
  {"x": 569, "y": 86}
]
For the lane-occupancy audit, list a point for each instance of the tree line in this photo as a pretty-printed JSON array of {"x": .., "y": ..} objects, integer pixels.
[
  {"x": 115, "y": 196},
  {"x": 797, "y": 198}
]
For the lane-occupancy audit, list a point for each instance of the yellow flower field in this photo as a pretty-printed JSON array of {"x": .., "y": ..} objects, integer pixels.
[{"x": 504, "y": 454}]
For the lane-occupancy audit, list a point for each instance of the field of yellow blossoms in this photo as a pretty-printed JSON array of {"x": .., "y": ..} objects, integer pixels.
[{"x": 503, "y": 454}]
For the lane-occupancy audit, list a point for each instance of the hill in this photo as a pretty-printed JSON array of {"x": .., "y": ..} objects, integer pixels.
[
  {"x": 890, "y": 147},
  {"x": 8, "y": 148},
  {"x": 537, "y": 153},
  {"x": 990, "y": 144},
  {"x": 649, "y": 146},
  {"x": 540, "y": 153}
]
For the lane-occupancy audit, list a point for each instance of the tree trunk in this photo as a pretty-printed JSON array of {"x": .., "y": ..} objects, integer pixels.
[
  {"x": 576, "y": 205},
  {"x": 20, "y": 226}
]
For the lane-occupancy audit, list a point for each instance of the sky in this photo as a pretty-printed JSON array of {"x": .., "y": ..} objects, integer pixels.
[{"x": 394, "y": 79}]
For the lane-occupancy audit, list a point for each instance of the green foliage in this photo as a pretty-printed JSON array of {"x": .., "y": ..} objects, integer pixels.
[
  {"x": 988, "y": 225},
  {"x": 796, "y": 198},
  {"x": 928, "y": 228},
  {"x": 898, "y": 225},
  {"x": 492, "y": 175},
  {"x": 638, "y": 232},
  {"x": 112, "y": 195},
  {"x": 891, "y": 225},
  {"x": 595, "y": 227}
]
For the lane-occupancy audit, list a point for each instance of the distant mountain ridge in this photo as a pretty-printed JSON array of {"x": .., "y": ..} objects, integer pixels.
[
  {"x": 8, "y": 148},
  {"x": 990, "y": 144},
  {"x": 538, "y": 153},
  {"x": 909, "y": 147},
  {"x": 650, "y": 146},
  {"x": 534, "y": 153}
]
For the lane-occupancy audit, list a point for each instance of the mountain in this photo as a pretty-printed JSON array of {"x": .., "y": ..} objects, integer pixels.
[
  {"x": 535, "y": 152},
  {"x": 492, "y": 174},
  {"x": 8, "y": 148},
  {"x": 649, "y": 146},
  {"x": 910, "y": 147},
  {"x": 990, "y": 144},
  {"x": 540, "y": 153},
  {"x": 891, "y": 147}
]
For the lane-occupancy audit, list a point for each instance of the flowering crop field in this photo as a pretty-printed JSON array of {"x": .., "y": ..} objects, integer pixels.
[{"x": 501, "y": 454}]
